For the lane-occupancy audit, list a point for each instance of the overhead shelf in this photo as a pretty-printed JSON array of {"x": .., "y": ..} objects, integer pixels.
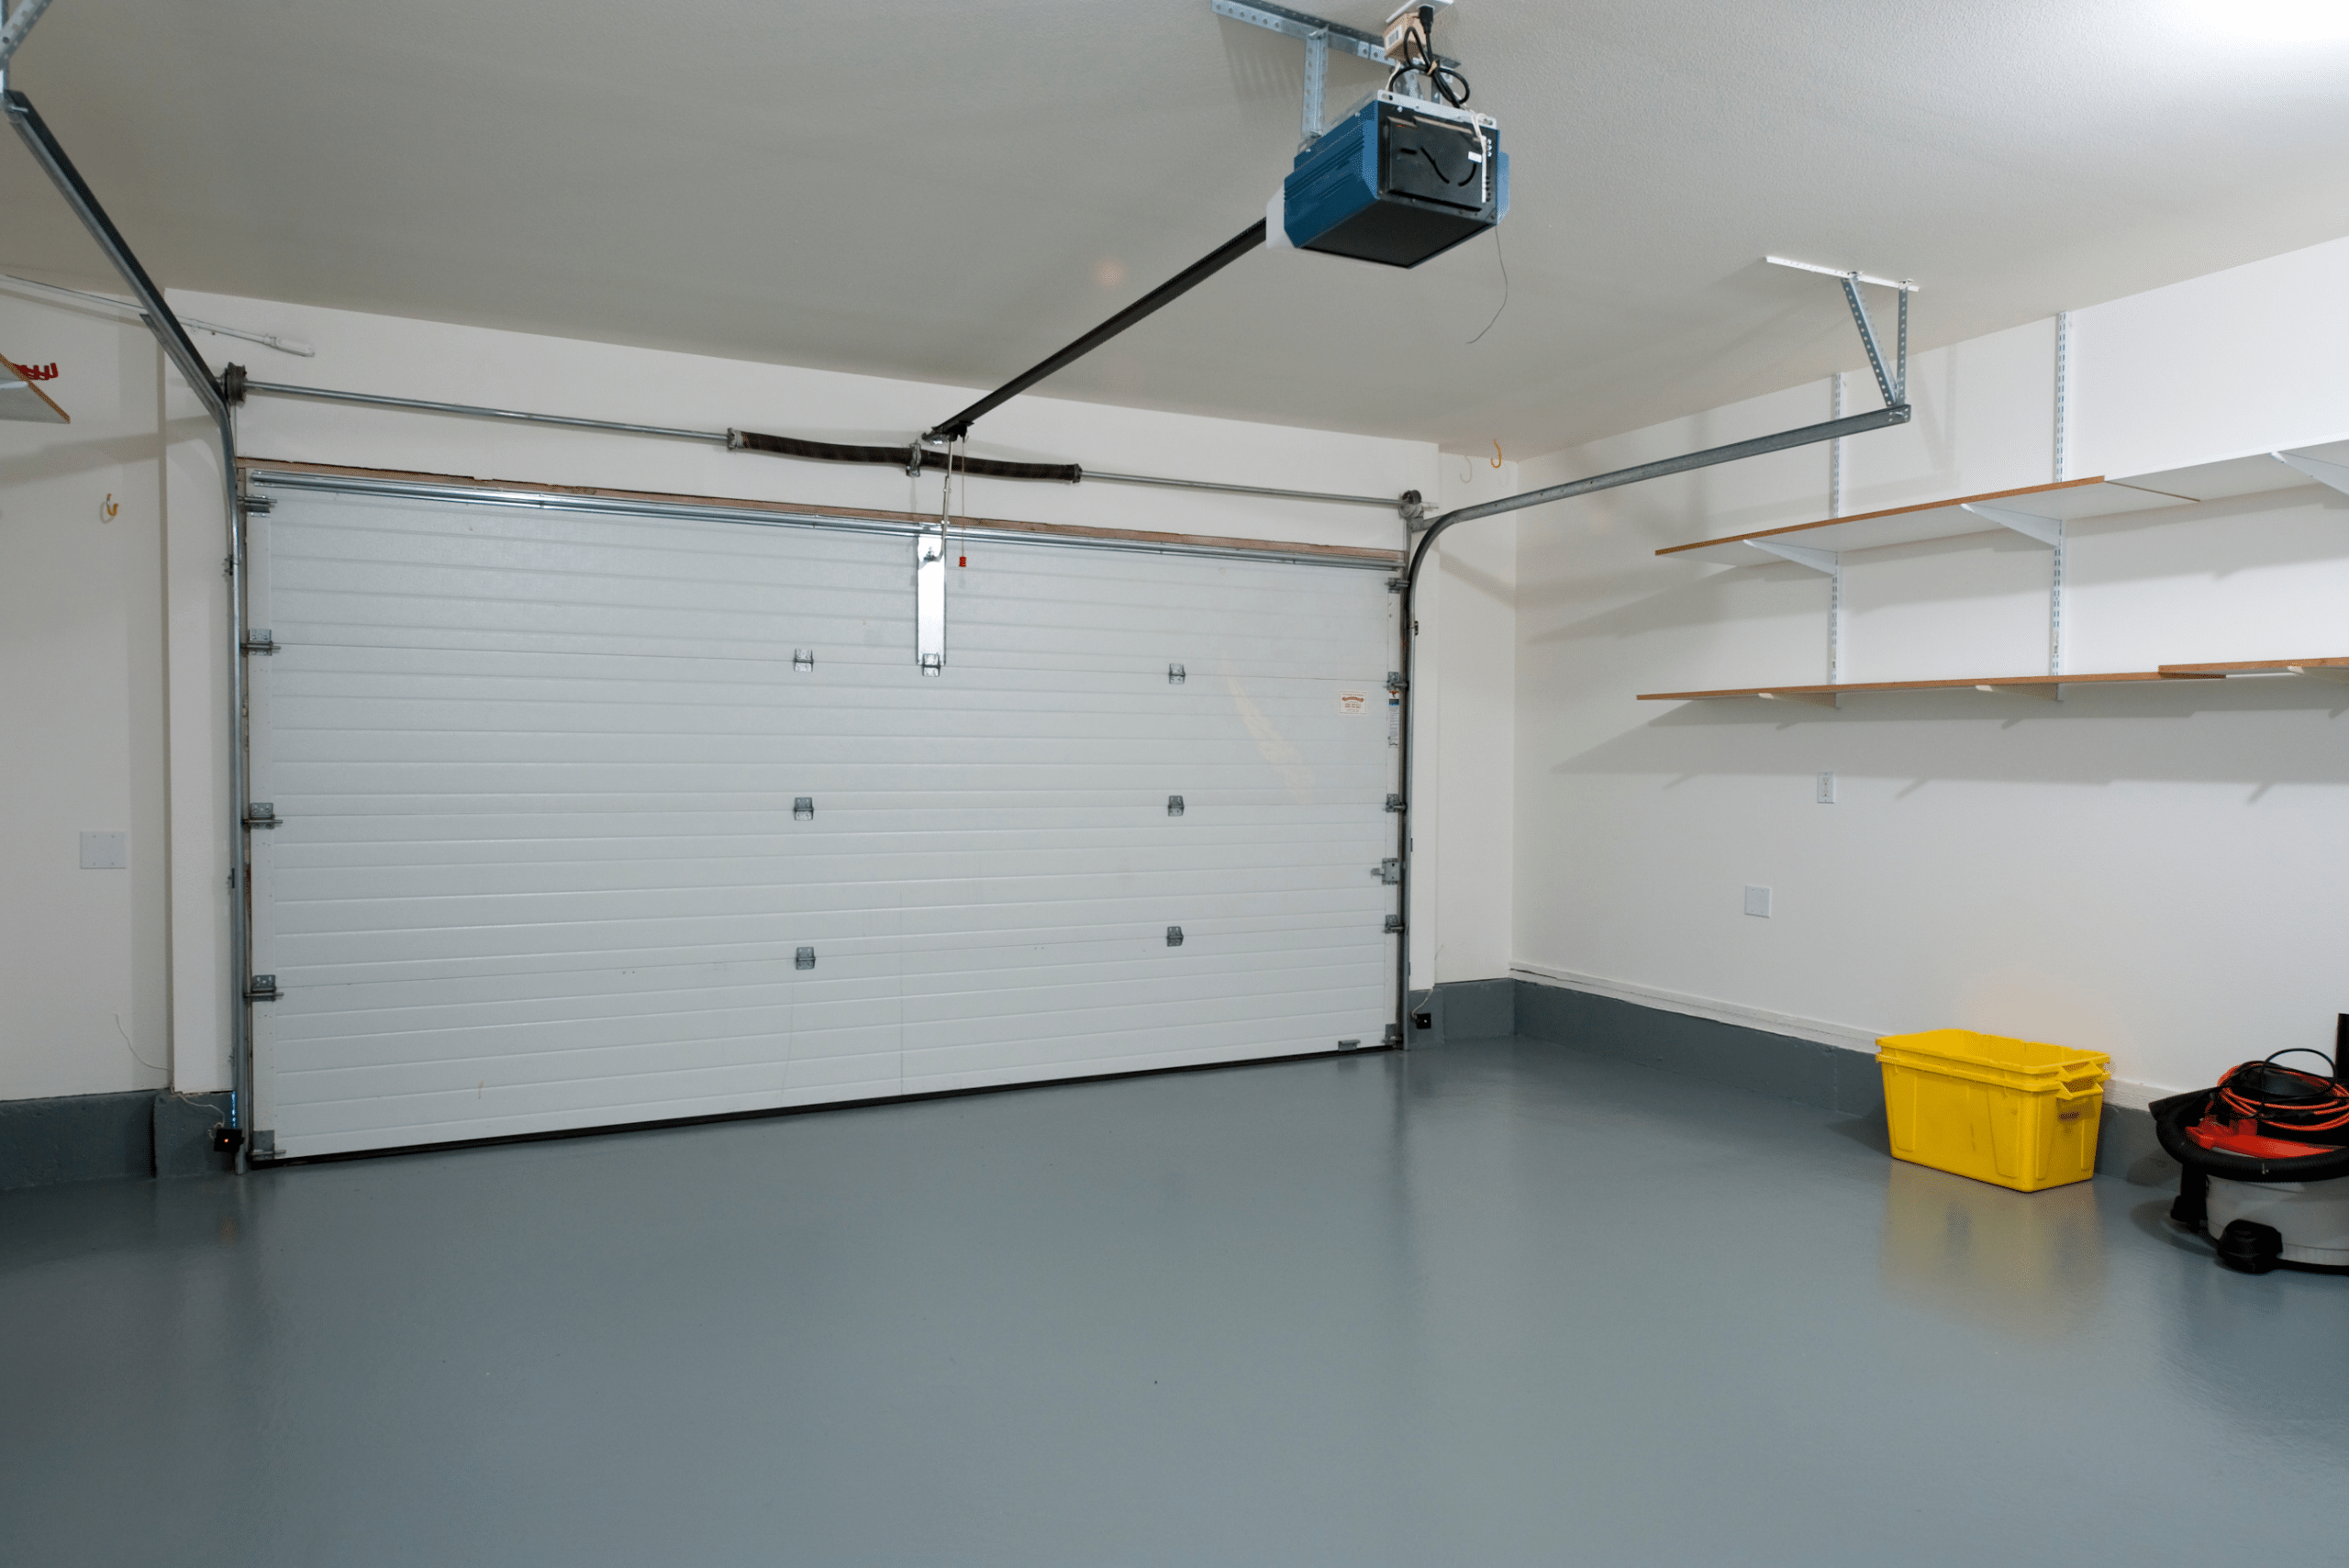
[
  {"x": 20, "y": 399},
  {"x": 1934, "y": 519},
  {"x": 2049, "y": 687},
  {"x": 2064, "y": 502},
  {"x": 2319, "y": 669}
]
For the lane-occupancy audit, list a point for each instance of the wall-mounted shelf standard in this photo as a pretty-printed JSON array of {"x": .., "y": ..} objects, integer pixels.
[{"x": 2046, "y": 687}]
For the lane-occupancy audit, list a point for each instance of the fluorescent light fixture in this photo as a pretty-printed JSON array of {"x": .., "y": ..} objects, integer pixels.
[{"x": 2278, "y": 21}]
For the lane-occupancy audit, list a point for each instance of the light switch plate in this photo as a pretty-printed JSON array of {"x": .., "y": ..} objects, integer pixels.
[
  {"x": 106, "y": 852},
  {"x": 1758, "y": 901}
]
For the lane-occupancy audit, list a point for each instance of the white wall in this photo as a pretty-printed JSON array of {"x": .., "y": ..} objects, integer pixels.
[
  {"x": 1466, "y": 734},
  {"x": 2155, "y": 873},
  {"x": 84, "y": 965},
  {"x": 119, "y": 685}
]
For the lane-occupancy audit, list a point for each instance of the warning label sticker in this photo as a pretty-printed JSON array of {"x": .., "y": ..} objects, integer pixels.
[{"x": 1352, "y": 702}]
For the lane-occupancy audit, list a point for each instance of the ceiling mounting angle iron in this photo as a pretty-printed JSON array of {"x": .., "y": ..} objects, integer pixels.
[
  {"x": 1907, "y": 286},
  {"x": 1892, "y": 382}
]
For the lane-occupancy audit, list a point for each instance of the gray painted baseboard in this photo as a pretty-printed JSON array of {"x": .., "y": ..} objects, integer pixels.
[
  {"x": 183, "y": 1125},
  {"x": 1786, "y": 1068},
  {"x": 1468, "y": 1009},
  {"x": 90, "y": 1138},
  {"x": 76, "y": 1137}
]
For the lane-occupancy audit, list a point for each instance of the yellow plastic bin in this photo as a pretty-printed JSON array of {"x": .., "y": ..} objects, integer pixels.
[{"x": 2015, "y": 1112}]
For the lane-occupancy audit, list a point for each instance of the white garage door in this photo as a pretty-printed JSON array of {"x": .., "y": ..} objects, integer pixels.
[{"x": 597, "y": 818}]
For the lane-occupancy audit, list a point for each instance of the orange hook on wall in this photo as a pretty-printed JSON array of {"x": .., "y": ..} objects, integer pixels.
[{"x": 1496, "y": 454}]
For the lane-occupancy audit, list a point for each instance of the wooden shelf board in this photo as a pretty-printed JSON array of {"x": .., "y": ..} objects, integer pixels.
[
  {"x": 2260, "y": 667},
  {"x": 2253, "y": 474},
  {"x": 1979, "y": 683},
  {"x": 21, "y": 399},
  {"x": 1935, "y": 520}
]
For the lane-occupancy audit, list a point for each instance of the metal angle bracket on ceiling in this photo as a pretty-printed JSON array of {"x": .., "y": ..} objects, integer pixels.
[
  {"x": 1319, "y": 35},
  {"x": 1892, "y": 383}
]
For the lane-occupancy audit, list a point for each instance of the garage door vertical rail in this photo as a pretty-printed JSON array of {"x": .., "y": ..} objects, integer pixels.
[{"x": 1807, "y": 435}]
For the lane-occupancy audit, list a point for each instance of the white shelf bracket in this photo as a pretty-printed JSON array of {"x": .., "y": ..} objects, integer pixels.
[
  {"x": 1831, "y": 565},
  {"x": 2323, "y": 473},
  {"x": 2048, "y": 531},
  {"x": 2041, "y": 694},
  {"x": 1809, "y": 700},
  {"x": 1827, "y": 560}
]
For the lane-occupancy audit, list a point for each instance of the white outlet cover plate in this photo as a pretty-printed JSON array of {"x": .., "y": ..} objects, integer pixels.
[
  {"x": 1758, "y": 901},
  {"x": 1826, "y": 789},
  {"x": 106, "y": 852}
]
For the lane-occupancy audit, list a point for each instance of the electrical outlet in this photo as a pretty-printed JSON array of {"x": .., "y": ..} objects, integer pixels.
[
  {"x": 1758, "y": 901},
  {"x": 106, "y": 852},
  {"x": 1826, "y": 789}
]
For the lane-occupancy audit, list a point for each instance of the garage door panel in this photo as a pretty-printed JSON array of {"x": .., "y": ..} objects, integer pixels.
[
  {"x": 541, "y": 1050},
  {"x": 524, "y": 1110},
  {"x": 832, "y": 686},
  {"x": 373, "y": 904},
  {"x": 330, "y": 701},
  {"x": 400, "y": 842},
  {"x": 957, "y": 886},
  {"x": 1128, "y": 1051},
  {"x": 539, "y": 867},
  {"x": 385, "y": 960}
]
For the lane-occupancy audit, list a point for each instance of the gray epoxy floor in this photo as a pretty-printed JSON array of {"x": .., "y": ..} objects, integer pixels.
[{"x": 1495, "y": 1304}]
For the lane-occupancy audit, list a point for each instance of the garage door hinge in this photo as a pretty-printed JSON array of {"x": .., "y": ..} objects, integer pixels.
[
  {"x": 263, "y": 641},
  {"x": 258, "y": 504},
  {"x": 1393, "y": 1034},
  {"x": 804, "y": 958},
  {"x": 803, "y": 808},
  {"x": 261, "y": 988},
  {"x": 1174, "y": 935},
  {"x": 1394, "y": 802},
  {"x": 1394, "y": 682},
  {"x": 1388, "y": 871},
  {"x": 260, "y": 814},
  {"x": 1394, "y": 925},
  {"x": 1174, "y": 805},
  {"x": 1396, "y": 585}
]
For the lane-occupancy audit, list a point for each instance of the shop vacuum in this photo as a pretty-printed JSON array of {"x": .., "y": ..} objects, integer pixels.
[{"x": 2266, "y": 1158}]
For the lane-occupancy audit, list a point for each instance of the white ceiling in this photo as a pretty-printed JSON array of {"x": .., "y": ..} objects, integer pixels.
[{"x": 949, "y": 191}]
